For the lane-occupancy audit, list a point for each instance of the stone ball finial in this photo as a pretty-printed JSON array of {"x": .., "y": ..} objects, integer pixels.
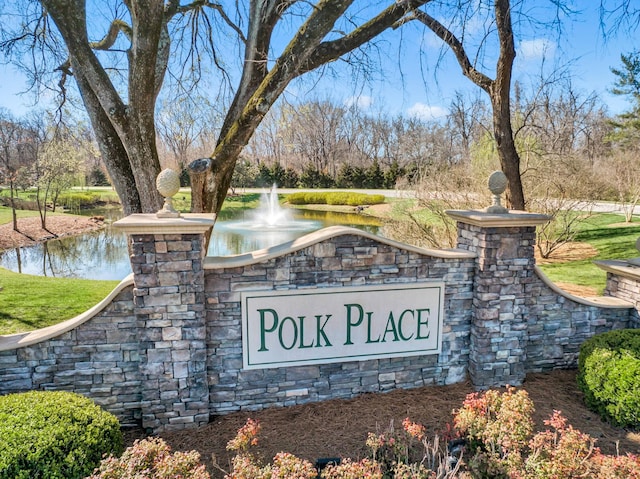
[
  {"x": 168, "y": 184},
  {"x": 497, "y": 182},
  {"x": 497, "y": 185}
]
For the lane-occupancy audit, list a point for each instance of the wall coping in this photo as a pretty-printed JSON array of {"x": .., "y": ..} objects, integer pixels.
[
  {"x": 20, "y": 340},
  {"x": 245, "y": 259},
  {"x": 609, "y": 302},
  {"x": 621, "y": 267},
  {"x": 149, "y": 223},
  {"x": 514, "y": 218}
]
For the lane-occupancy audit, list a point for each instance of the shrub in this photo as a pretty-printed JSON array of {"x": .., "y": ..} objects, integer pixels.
[
  {"x": 400, "y": 454},
  {"x": 246, "y": 466},
  {"x": 559, "y": 452},
  {"x": 151, "y": 458},
  {"x": 498, "y": 427},
  {"x": 497, "y": 433},
  {"x": 77, "y": 199},
  {"x": 349, "y": 469},
  {"x": 609, "y": 376},
  {"x": 334, "y": 198},
  {"x": 354, "y": 199},
  {"x": 54, "y": 434}
]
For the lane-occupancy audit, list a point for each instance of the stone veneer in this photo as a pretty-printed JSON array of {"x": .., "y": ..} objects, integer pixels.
[
  {"x": 334, "y": 257},
  {"x": 167, "y": 351},
  {"x": 623, "y": 281}
]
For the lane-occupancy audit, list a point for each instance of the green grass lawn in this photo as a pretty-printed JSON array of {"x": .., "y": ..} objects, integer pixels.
[
  {"x": 32, "y": 302},
  {"x": 7, "y": 217},
  {"x": 611, "y": 242}
]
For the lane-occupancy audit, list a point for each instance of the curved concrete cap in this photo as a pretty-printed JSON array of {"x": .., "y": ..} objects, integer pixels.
[
  {"x": 19, "y": 340},
  {"x": 234, "y": 261},
  {"x": 625, "y": 268},
  {"x": 598, "y": 301}
]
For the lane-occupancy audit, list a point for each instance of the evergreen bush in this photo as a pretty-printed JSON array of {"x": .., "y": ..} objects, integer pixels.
[
  {"x": 609, "y": 375},
  {"x": 54, "y": 435}
]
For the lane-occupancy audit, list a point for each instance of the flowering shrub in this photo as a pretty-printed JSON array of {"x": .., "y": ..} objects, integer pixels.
[
  {"x": 560, "y": 452},
  {"x": 409, "y": 454},
  {"x": 151, "y": 458},
  {"x": 247, "y": 436},
  {"x": 246, "y": 466},
  {"x": 497, "y": 427},
  {"x": 616, "y": 467},
  {"x": 349, "y": 469}
]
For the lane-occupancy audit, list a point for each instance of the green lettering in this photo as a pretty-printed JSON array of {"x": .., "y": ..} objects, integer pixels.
[
  {"x": 320, "y": 331},
  {"x": 369, "y": 340},
  {"x": 302, "y": 345},
  {"x": 390, "y": 328},
  {"x": 264, "y": 330},
  {"x": 350, "y": 323},
  {"x": 402, "y": 336},
  {"x": 295, "y": 333},
  {"x": 423, "y": 323}
]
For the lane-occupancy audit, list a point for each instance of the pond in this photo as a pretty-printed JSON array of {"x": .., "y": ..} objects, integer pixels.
[{"x": 104, "y": 255}]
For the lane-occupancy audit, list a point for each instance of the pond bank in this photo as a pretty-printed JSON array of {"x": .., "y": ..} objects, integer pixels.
[{"x": 31, "y": 231}]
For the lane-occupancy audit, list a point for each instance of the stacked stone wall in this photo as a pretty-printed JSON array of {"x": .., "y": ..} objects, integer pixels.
[
  {"x": 627, "y": 288},
  {"x": 169, "y": 300},
  {"x": 98, "y": 359},
  {"x": 168, "y": 353},
  {"x": 557, "y": 326},
  {"x": 347, "y": 260}
]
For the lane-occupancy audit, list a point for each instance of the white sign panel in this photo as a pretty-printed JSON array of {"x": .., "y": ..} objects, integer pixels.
[{"x": 291, "y": 328}]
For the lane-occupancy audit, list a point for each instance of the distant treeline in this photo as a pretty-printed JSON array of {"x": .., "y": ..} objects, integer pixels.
[{"x": 348, "y": 176}]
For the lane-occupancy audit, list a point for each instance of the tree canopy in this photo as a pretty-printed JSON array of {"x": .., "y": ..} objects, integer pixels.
[{"x": 119, "y": 53}]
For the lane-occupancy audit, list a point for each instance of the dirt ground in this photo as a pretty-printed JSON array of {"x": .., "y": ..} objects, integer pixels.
[
  {"x": 31, "y": 232},
  {"x": 339, "y": 427}
]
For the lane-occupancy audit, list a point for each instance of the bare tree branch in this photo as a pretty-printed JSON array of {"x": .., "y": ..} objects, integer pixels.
[{"x": 110, "y": 38}]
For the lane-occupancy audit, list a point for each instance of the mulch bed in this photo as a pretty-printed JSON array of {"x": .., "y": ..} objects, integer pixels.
[{"x": 339, "y": 427}]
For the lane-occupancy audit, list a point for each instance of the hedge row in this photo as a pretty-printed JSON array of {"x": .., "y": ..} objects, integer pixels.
[
  {"x": 54, "y": 435},
  {"x": 334, "y": 198},
  {"x": 609, "y": 376}
]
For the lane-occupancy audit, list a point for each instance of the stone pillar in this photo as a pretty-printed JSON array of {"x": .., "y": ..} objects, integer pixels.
[
  {"x": 623, "y": 282},
  {"x": 504, "y": 244},
  {"x": 166, "y": 258}
]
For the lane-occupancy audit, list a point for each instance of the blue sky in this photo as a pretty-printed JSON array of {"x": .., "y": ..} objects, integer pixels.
[{"x": 413, "y": 85}]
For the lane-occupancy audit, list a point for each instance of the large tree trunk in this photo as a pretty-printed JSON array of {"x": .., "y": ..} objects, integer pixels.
[
  {"x": 125, "y": 130},
  {"x": 113, "y": 152},
  {"x": 507, "y": 153},
  {"x": 259, "y": 88},
  {"x": 498, "y": 89},
  {"x": 500, "y": 93}
]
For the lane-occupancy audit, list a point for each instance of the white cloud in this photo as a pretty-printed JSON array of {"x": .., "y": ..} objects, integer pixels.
[
  {"x": 426, "y": 112},
  {"x": 536, "y": 49},
  {"x": 361, "y": 101}
]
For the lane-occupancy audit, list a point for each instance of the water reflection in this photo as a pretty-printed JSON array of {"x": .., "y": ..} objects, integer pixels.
[
  {"x": 98, "y": 255},
  {"x": 103, "y": 254}
]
